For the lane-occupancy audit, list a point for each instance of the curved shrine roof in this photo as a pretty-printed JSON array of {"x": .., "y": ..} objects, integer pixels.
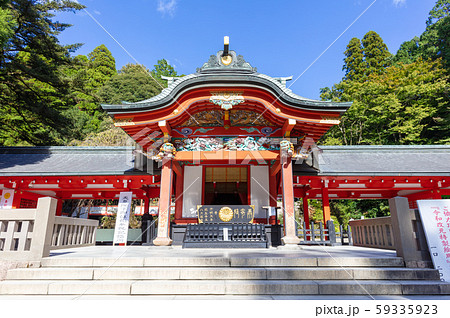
[{"x": 238, "y": 73}]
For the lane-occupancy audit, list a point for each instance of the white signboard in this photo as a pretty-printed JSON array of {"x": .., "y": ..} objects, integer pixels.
[
  {"x": 7, "y": 199},
  {"x": 122, "y": 218},
  {"x": 435, "y": 215}
]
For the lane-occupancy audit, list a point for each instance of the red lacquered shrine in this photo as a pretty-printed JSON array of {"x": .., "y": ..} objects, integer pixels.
[
  {"x": 223, "y": 139},
  {"x": 226, "y": 135}
]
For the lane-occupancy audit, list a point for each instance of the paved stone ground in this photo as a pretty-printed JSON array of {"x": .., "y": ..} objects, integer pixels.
[
  {"x": 221, "y": 297},
  {"x": 177, "y": 251}
]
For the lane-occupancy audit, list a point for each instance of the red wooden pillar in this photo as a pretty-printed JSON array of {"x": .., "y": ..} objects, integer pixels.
[
  {"x": 306, "y": 215},
  {"x": 179, "y": 196},
  {"x": 16, "y": 199},
  {"x": 59, "y": 204},
  {"x": 165, "y": 198},
  {"x": 306, "y": 212},
  {"x": 146, "y": 203},
  {"x": 273, "y": 191},
  {"x": 325, "y": 205},
  {"x": 288, "y": 202}
]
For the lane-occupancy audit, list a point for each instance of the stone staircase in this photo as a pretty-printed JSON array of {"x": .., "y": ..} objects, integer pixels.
[{"x": 223, "y": 276}]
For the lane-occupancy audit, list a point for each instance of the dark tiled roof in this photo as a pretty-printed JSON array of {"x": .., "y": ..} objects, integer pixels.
[
  {"x": 333, "y": 161},
  {"x": 66, "y": 161},
  {"x": 385, "y": 160}
]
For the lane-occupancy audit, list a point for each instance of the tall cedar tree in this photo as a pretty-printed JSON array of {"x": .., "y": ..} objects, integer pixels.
[
  {"x": 376, "y": 53},
  {"x": 33, "y": 90},
  {"x": 362, "y": 58},
  {"x": 89, "y": 74},
  {"x": 354, "y": 64}
]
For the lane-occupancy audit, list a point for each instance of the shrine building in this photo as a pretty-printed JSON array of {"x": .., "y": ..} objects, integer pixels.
[{"x": 223, "y": 145}]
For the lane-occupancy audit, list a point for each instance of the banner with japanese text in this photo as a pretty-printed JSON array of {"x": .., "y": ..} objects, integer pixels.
[
  {"x": 123, "y": 218},
  {"x": 435, "y": 215}
]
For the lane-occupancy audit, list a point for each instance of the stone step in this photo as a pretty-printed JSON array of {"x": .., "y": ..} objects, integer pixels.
[
  {"x": 219, "y": 273},
  {"x": 224, "y": 287},
  {"x": 222, "y": 262}
]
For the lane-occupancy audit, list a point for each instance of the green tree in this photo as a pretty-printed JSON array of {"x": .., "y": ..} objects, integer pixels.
[
  {"x": 33, "y": 90},
  {"x": 376, "y": 53},
  {"x": 109, "y": 135},
  {"x": 409, "y": 51},
  {"x": 362, "y": 58},
  {"x": 440, "y": 10},
  {"x": 434, "y": 42},
  {"x": 88, "y": 75},
  {"x": 163, "y": 68},
  {"x": 407, "y": 104},
  {"x": 7, "y": 24},
  {"x": 132, "y": 83},
  {"x": 354, "y": 64}
]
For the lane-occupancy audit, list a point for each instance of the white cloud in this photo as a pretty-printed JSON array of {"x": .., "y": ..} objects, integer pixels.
[
  {"x": 167, "y": 7},
  {"x": 399, "y": 3}
]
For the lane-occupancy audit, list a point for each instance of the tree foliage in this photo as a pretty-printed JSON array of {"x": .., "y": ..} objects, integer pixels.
[
  {"x": 89, "y": 74},
  {"x": 440, "y": 10},
  {"x": 132, "y": 83},
  {"x": 434, "y": 42},
  {"x": 163, "y": 68},
  {"x": 407, "y": 104},
  {"x": 354, "y": 65},
  {"x": 33, "y": 90},
  {"x": 7, "y": 24},
  {"x": 402, "y": 99}
]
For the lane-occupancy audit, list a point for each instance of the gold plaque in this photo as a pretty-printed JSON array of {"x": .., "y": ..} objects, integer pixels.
[{"x": 226, "y": 214}]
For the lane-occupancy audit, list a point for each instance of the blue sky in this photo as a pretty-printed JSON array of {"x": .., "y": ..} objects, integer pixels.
[{"x": 280, "y": 38}]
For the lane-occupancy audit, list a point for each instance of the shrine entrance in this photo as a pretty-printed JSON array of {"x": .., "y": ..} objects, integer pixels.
[
  {"x": 226, "y": 186},
  {"x": 225, "y": 138}
]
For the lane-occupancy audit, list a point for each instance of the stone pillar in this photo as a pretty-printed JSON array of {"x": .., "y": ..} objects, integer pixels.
[
  {"x": 403, "y": 233},
  {"x": 166, "y": 154},
  {"x": 43, "y": 228},
  {"x": 290, "y": 237}
]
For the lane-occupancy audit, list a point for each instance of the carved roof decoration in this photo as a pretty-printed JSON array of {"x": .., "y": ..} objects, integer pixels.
[
  {"x": 215, "y": 64},
  {"x": 212, "y": 118}
]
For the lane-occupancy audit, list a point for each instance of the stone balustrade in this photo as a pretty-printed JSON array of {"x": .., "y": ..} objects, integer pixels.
[
  {"x": 71, "y": 232},
  {"x": 30, "y": 234},
  {"x": 402, "y": 232},
  {"x": 375, "y": 233}
]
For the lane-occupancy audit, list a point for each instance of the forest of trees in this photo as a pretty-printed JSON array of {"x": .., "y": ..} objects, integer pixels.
[
  {"x": 50, "y": 96},
  {"x": 398, "y": 99}
]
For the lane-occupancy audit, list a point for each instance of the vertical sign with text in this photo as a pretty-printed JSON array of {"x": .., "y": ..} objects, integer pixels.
[
  {"x": 122, "y": 218},
  {"x": 435, "y": 215}
]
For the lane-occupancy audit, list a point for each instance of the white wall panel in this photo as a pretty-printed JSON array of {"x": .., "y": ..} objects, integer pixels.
[
  {"x": 259, "y": 189},
  {"x": 192, "y": 194}
]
